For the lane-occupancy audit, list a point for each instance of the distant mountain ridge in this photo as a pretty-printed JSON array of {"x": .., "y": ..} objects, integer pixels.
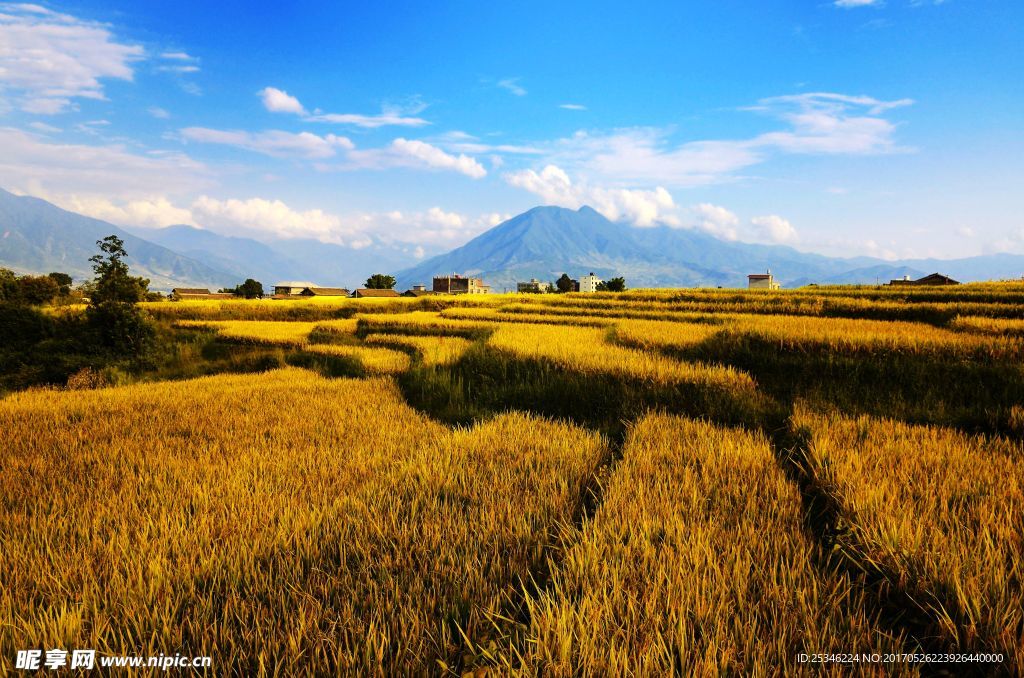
[
  {"x": 39, "y": 237},
  {"x": 282, "y": 259},
  {"x": 544, "y": 242}
]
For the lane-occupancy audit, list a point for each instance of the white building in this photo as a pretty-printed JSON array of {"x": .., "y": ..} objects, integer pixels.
[
  {"x": 534, "y": 286},
  {"x": 291, "y": 288},
  {"x": 589, "y": 282},
  {"x": 762, "y": 281}
]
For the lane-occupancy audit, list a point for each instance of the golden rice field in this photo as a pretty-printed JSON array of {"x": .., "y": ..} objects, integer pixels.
[{"x": 658, "y": 482}]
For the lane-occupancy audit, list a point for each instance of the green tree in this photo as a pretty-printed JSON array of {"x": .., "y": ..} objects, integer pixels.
[
  {"x": 379, "y": 281},
  {"x": 8, "y": 286},
  {"x": 119, "y": 324},
  {"x": 113, "y": 281},
  {"x": 63, "y": 281},
  {"x": 564, "y": 284},
  {"x": 37, "y": 290},
  {"x": 613, "y": 285},
  {"x": 250, "y": 289}
]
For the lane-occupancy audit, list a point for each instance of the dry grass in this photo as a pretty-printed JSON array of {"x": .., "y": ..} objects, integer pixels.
[
  {"x": 936, "y": 509},
  {"x": 255, "y": 331},
  {"x": 281, "y": 523},
  {"x": 432, "y": 350},
  {"x": 422, "y": 322},
  {"x": 512, "y": 314},
  {"x": 660, "y": 334},
  {"x": 584, "y": 350},
  {"x": 696, "y": 563},
  {"x": 374, "y": 360},
  {"x": 993, "y": 326}
]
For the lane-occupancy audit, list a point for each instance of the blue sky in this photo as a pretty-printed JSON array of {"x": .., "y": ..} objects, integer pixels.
[{"x": 846, "y": 126}]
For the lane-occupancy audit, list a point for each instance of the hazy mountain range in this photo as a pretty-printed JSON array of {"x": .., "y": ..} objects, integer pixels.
[{"x": 38, "y": 237}]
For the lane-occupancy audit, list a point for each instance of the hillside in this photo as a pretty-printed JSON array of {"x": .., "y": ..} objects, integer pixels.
[
  {"x": 547, "y": 241},
  {"x": 280, "y": 259},
  {"x": 39, "y": 237}
]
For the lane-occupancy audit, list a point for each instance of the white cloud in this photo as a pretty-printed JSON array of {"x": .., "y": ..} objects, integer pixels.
[
  {"x": 155, "y": 212},
  {"x": 824, "y": 122},
  {"x": 259, "y": 216},
  {"x": 158, "y": 112},
  {"x": 279, "y": 101},
  {"x": 715, "y": 219},
  {"x": 92, "y": 127},
  {"x": 48, "y": 59},
  {"x": 646, "y": 155},
  {"x": 775, "y": 229},
  {"x": 966, "y": 232},
  {"x": 461, "y": 142},
  {"x": 178, "y": 56},
  {"x": 275, "y": 143},
  {"x": 43, "y": 127},
  {"x": 179, "y": 63},
  {"x": 639, "y": 207},
  {"x": 39, "y": 166},
  {"x": 435, "y": 227},
  {"x": 856, "y": 3},
  {"x": 573, "y": 107},
  {"x": 178, "y": 68},
  {"x": 383, "y": 119},
  {"x": 512, "y": 85},
  {"x": 431, "y": 156},
  {"x": 817, "y": 123}
]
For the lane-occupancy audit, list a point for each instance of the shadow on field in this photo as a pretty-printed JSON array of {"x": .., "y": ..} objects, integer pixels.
[
  {"x": 970, "y": 394},
  {"x": 895, "y": 603},
  {"x": 487, "y": 381}
]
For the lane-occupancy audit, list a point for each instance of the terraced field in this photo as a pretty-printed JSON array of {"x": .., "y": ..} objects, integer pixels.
[{"x": 658, "y": 482}]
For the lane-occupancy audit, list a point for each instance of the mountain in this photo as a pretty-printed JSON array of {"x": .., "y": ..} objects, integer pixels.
[
  {"x": 241, "y": 257},
  {"x": 543, "y": 243},
  {"x": 547, "y": 241},
  {"x": 280, "y": 259},
  {"x": 38, "y": 237}
]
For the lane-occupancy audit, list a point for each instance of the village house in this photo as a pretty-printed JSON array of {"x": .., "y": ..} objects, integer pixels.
[
  {"x": 197, "y": 293},
  {"x": 534, "y": 286},
  {"x": 292, "y": 288},
  {"x": 418, "y": 291},
  {"x": 762, "y": 281},
  {"x": 364, "y": 293},
  {"x": 457, "y": 284},
  {"x": 933, "y": 279},
  {"x": 589, "y": 282},
  {"x": 325, "y": 292}
]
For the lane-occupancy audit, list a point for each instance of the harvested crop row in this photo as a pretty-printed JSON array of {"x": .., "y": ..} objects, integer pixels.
[
  {"x": 507, "y": 314},
  {"x": 935, "y": 510},
  {"x": 433, "y": 350},
  {"x": 372, "y": 359},
  {"x": 423, "y": 322},
  {"x": 274, "y": 333},
  {"x": 280, "y": 522},
  {"x": 584, "y": 349},
  {"x": 696, "y": 563}
]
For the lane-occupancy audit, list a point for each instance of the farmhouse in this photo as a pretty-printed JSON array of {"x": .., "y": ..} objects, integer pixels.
[
  {"x": 325, "y": 292},
  {"x": 457, "y": 284},
  {"x": 534, "y": 286},
  {"x": 589, "y": 283},
  {"x": 363, "y": 293},
  {"x": 418, "y": 291},
  {"x": 762, "y": 281},
  {"x": 196, "y": 293},
  {"x": 292, "y": 288},
  {"x": 933, "y": 279}
]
